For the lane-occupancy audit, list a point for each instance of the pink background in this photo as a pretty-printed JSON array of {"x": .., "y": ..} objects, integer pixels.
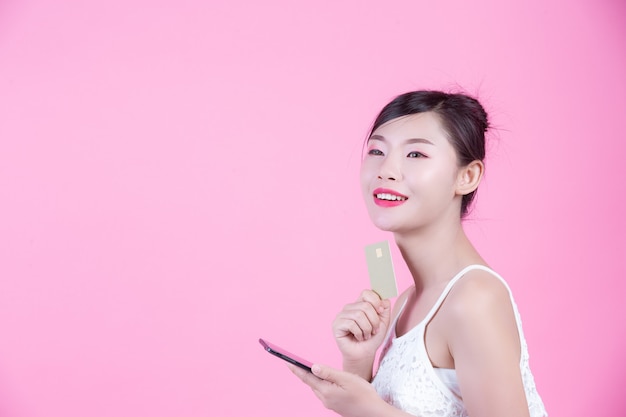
[{"x": 178, "y": 181}]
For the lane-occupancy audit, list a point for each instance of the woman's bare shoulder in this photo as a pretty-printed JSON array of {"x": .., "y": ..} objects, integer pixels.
[
  {"x": 479, "y": 284},
  {"x": 478, "y": 296}
]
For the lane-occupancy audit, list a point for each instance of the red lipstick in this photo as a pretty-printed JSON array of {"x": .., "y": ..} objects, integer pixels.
[{"x": 384, "y": 197}]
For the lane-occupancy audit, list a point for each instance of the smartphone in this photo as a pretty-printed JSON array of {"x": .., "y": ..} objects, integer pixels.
[{"x": 286, "y": 356}]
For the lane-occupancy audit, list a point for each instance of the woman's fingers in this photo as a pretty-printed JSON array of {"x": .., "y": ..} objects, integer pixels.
[
  {"x": 370, "y": 296},
  {"x": 365, "y": 316},
  {"x": 360, "y": 329},
  {"x": 382, "y": 307},
  {"x": 360, "y": 319}
]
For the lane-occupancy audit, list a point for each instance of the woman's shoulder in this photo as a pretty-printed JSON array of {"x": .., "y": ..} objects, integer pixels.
[
  {"x": 478, "y": 294},
  {"x": 480, "y": 319}
]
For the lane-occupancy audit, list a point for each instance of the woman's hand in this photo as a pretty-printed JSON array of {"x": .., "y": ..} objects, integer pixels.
[
  {"x": 360, "y": 328},
  {"x": 343, "y": 392}
]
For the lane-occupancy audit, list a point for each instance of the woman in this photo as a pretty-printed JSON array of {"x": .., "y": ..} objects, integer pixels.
[{"x": 453, "y": 344}]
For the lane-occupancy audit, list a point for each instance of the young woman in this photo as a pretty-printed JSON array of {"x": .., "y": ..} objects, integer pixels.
[{"x": 453, "y": 344}]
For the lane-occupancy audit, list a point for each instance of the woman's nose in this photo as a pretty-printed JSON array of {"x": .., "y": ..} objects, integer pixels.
[{"x": 389, "y": 170}]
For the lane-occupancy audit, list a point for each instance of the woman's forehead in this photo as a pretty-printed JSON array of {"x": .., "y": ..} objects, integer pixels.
[{"x": 425, "y": 125}]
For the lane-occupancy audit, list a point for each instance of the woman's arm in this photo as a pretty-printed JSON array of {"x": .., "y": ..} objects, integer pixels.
[{"x": 483, "y": 339}]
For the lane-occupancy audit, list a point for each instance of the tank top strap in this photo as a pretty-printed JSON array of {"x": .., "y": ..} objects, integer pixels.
[{"x": 450, "y": 284}]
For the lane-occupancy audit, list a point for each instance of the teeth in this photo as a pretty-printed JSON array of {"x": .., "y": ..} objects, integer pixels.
[{"x": 390, "y": 197}]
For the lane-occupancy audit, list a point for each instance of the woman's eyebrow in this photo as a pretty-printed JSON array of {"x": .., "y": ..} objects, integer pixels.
[{"x": 408, "y": 141}]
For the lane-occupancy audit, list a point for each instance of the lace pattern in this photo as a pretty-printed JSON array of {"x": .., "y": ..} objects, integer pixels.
[{"x": 408, "y": 382}]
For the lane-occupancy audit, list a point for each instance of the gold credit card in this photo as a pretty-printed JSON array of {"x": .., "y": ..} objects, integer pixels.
[{"x": 380, "y": 268}]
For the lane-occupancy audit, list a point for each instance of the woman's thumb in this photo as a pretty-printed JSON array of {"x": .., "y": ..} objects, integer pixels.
[{"x": 326, "y": 373}]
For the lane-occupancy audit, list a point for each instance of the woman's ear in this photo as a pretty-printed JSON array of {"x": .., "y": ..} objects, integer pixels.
[{"x": 469, "y": 177}]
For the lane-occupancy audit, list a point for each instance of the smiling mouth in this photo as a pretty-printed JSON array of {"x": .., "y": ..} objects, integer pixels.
[{"x": 389, "y": 197}]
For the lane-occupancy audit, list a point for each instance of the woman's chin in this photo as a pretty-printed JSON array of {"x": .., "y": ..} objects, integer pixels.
[{"x": 386, "y": 225}]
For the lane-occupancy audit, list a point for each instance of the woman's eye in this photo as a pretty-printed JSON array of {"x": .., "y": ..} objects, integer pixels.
[
  {"x": 415, "y": 155},
  {"x": 374, "y": 152}
]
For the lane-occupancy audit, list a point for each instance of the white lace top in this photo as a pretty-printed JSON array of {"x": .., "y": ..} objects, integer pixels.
[{"x": 407, "y": 380}]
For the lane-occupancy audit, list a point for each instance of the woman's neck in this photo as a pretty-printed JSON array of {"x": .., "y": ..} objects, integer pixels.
[{"x": 435, "y": 255}]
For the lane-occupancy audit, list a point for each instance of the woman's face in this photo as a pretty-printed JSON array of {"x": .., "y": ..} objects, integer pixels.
[{"x": 409, "y": 173}]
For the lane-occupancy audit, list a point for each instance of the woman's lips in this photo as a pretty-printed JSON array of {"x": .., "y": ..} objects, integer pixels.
[{"x": 384, "y": 197}]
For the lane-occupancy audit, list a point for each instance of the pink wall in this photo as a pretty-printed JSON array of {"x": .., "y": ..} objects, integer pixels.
[{"x": 177, "y": 181}]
